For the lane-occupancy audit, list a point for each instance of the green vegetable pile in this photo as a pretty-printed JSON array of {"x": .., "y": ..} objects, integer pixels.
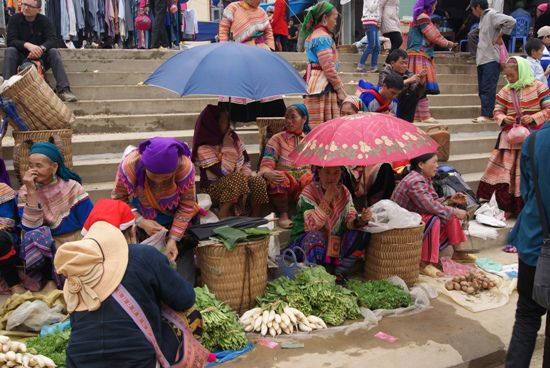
[
  {"x": 380, "y": 294},
  {"x": 222, "y": 330},
  {"x": 53, "y": 346},
  {"x": 314, "y": 292}
]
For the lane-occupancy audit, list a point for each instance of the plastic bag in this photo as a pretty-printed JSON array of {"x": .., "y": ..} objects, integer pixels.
[
  {"x": 205, "y": 202},
  {"x": 388, "y": 215},
  {"x": 490, "y": 214},
  {"x": 32, "y": 316},
  {"x": 158, "y": 240},
  {"x": 517, "y": 134}
]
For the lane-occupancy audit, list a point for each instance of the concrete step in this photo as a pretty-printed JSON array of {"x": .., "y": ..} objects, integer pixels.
[
  {"x": 181, "y": 105},
  {"x": 472, "y": 179},
  {"x": 470, "y": 162},
  {"x": 465, "y": 143},
  {"x": 463, "y": 126},
  {"x": 115, "y": 143},
  {"x": 453, "y": 112},
  {"x": 447, "y": 89}
]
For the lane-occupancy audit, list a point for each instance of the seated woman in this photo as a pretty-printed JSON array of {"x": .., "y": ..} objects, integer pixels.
[
  {"x": 112, "y": 286},
  {"x": 157, "y": 179},
  {"x": 9, "y": 239},
  {"x": 417, "y": 194},
  {"x": 367, "y": 184},
  {"x": 52, "y": 195},
  {"x": 225, "y": 166},
  {"x": 326, "y": 223},
  {"x": 351, "y": 105},
  {"x": 285, "y": 180}
]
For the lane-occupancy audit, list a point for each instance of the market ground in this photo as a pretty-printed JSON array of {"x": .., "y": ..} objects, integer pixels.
[{"x": 445, "y": 336}]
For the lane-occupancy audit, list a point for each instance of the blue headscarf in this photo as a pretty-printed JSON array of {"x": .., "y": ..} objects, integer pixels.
[
  {"x": 303, "y": 110},
  {"x": 53, "y": 153}
]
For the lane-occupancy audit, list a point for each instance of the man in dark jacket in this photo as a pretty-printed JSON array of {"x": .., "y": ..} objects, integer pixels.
[{"x": 31, "y": 37}]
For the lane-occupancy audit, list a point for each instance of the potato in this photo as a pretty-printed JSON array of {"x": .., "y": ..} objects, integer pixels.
[
  {"x": 470, "y": 290},
  {"x": 485, "y": 285},
  {"x": 457, "y": 286},
  {"x": 449, "y": 285},
  {"x": 464, "y": 288}
]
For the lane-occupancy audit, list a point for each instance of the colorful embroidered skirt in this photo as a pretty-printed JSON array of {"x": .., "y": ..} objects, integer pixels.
[
  {"x": 438, "y": 235},
  {"x": 419, "y": 62},
  {"x": 502, "y": 177},
  {"x": 322, "y": 107}
]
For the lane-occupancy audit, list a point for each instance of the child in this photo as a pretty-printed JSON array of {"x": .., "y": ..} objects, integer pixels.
[
  {"x": 381, "y": 99},
  {"x": 414, "y": 84},
  {"x": 371, "y": 20},
  {"x": 535, "y": 49}
]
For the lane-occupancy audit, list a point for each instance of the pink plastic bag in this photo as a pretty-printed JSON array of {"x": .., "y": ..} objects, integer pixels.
[
  {"x": 503, "y": 53},
  {"x": 517, "y": 134}
]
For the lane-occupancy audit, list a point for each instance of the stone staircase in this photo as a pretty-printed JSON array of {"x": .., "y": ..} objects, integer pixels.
[{"x": 114, "y": 111}]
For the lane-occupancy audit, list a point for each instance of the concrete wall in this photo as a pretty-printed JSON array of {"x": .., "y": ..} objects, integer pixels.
[{"x": 202, "y": 7}]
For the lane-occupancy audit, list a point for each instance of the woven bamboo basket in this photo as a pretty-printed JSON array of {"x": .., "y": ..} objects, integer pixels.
[
  {"x": 236, "y": 277},
  {"x": 347, "y": 49},
  {"x": 23, "y": 141},
  {"x": 37, "y": 104},
  {"x": 395, "y": 253}
]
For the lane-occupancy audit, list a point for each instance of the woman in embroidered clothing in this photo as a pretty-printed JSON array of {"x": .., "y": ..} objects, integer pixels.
[
  {"x": 417, "y": 194},
  {"x": 326, "y": 223},
  {"x": 502, "y": 175},
  {"x": 52, "y": 195},
  {"x": 225, "y": 166},
  {"x": 423, "y": 36},
  {"x": 285, "y": 181},
  {"x": 9, "y": 236},
  {"x": 158, "y": 180},
  {"x": 351, "y": 105},
  {"x": 324, "y": 87}
]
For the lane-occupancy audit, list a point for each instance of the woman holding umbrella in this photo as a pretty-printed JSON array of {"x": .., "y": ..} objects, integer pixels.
[
  {"x": 324, "y": 87},
  {"x": 285, "y": 180},
  {"x": 423, "y": 36},
  {"x": 326, "y": 223}
]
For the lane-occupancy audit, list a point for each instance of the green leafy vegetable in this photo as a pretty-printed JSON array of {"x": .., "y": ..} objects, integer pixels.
[
  {"x": 53, "y": 346},
  {"x": 222, "y": 330},
  {"x": 380, "y": 294}
]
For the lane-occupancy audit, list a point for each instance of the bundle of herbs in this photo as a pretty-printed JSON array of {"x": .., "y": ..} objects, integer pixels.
[
  {"x": 380, "y": 294},
  {"x": 53, "y": 346}
]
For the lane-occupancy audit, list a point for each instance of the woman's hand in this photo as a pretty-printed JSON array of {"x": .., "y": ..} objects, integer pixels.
[
  {"x": 341, "y": 95},
  {"x": 29, "y": 179},
  {"x": 274, "y": 177},
  {"x": 508, "y": 120},
  {"x": 171, "y": 251},
  {"x": 151, "y": 227},
  {"x": 527, "y": 119},
  {"x": 366, "y": 215},
  {"x": 460, "y": 214},
  {"x": 458, "y": 198}
]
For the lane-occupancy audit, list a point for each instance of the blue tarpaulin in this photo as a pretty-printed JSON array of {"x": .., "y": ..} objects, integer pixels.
[
  {"x": 207, "y": 31},
  {"x": 296, "y": 6}
]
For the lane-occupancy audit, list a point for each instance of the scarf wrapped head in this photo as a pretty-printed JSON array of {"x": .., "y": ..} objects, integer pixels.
[
  {"x": 423, "y": 6},
  {"x": 313, "y": 18},
  {"x": 302, "y": 110},
  {"x": 356, "y": 102},
  {"x": 525, "y": 73},
  {"x": 113, "y": 211},
  {"x": 51, "y": 151},
  {"x": 207, "y": 129}
]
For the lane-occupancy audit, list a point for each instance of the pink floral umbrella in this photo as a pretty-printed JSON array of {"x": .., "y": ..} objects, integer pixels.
[{"x": 363, "y": 139}]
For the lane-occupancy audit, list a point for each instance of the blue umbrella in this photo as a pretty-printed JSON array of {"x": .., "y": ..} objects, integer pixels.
[{"x": 228, "y": 69}]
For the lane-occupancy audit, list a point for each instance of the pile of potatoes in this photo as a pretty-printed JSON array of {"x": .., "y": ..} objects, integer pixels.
[{"x": 472, "y": 283}]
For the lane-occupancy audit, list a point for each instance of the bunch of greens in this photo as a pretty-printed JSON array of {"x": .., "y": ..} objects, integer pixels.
[
  {"x": 53, "y": 346},
  {"x": 222, "y": 330},
  {"x": 380, "y": 294},
  {"x": 314, "y": 292}
]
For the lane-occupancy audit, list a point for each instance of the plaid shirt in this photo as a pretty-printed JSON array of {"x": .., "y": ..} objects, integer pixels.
[{"x": 415, "y": 193}]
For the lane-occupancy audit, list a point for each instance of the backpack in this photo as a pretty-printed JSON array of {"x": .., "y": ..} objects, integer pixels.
[{"x": 448, "y": 181}]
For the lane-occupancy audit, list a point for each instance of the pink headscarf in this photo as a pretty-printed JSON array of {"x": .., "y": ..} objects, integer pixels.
[{"x": 543, "y": 7}]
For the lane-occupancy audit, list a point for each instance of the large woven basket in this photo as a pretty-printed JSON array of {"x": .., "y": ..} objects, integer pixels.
[
  {"x": 236, "y": 277},
  {"x": 268, "y": 127},
  {"x": 395, "y": 253},
  {"x": 23, "y": 141},
  {"x": 37, "y": 104}
]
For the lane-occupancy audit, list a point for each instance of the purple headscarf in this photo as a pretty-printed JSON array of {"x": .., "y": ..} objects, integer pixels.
[
  {"x": 4, "y": 177},
  {"x": 422, "y": 6}
]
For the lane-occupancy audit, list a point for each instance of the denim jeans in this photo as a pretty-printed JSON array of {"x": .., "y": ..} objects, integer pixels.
[
  {"x": 487, "y": 80},
  {"x": 527, "y": 325},
  {"x": 373, "y": 46}
]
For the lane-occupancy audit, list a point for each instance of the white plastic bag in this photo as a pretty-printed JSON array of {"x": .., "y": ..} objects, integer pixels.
[
  {"x": 158, "y": 240},
  {"x": 32, "y": 316},
  {"x": 388, "y": 215},
  {"x": 274, "y": 248},
  {"x": 489, "y": 214},
  {"x": 205, "y": 202}
]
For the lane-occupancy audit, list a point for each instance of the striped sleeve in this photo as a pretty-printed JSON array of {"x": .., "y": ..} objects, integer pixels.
[
  {"x": 422, "y": 198},
  {"x": 271, "y": 155},
  {"x": 314, "y": 219},
  {"x": 430, "y": 31},
  {"x": 502, "y": 102},
  {"x": 544, "y": 97},
  {"x": 325, "y": 54},
  {"x": 187, "y": 209},
  {"x": 207, "y": 156},
  {"x": 225, "y": 23}
]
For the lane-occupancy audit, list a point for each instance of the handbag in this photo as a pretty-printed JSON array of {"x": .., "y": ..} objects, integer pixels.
[
  {"x": 518, "y": 133},
  {"x": 143, "y": 21},
  {"x": 541, "y": 285},
  {"x": 190, "y": 352},
  {"x": 503, "y": 53}
]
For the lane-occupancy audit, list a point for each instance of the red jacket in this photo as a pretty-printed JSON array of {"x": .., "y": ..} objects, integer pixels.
[{"x": 278, "y": 22}]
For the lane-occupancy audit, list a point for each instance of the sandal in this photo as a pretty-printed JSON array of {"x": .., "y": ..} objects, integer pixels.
[
  {"x": 18, "y": 289},
  {"x": 510, "y": 249},
  {"x": 465, "y": 258},
  {"x": 432, "y": 271},
  {"x": 285, "y": 224}
]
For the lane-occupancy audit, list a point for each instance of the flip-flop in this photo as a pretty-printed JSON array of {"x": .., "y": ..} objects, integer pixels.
[
  {"x": 467, "y": 251},
  {"x": 432, "y": 271},
  {"x": 285, "y": 224},
  {"x": 468, "y": 258}
]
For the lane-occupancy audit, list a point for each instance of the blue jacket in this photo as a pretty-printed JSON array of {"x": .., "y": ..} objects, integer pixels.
[
  {"x": 527, "y": 233},
  {"x": 108, "y": 337}
]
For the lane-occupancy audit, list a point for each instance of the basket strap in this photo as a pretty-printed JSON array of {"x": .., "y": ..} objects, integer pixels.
[{"x": 247, "y": 258}]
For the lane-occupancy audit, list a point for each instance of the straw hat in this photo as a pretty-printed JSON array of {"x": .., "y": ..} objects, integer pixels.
[{"x": 93, "y": 266}]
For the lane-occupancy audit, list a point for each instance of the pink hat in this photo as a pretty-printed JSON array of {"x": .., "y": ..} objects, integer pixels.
[{"x": 543, "y": 7}]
